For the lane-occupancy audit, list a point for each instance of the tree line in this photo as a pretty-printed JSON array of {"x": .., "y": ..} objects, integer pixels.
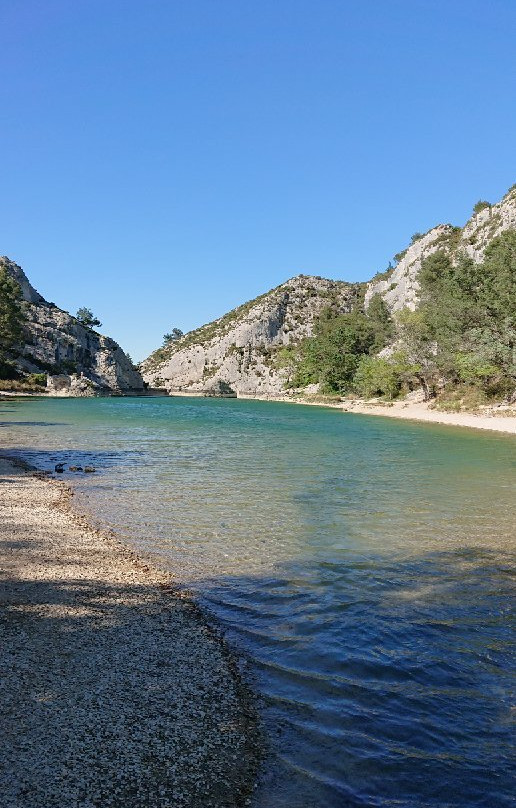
[{"x": 459, "y": 344}]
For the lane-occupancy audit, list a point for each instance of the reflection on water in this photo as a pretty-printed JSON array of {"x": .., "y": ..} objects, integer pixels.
[{"x": 363, "y": 565}]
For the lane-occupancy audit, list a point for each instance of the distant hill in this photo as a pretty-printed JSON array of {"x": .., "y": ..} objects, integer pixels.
[
  {"x": 242, "y": 351},
  {"x": 311, "y": 333},
  {"x": 79, "y": 360}
]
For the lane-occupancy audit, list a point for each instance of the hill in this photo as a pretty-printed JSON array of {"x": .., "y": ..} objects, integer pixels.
[
  {"x": 40, "y": 340},
  {"x": 441, "y": 318}
]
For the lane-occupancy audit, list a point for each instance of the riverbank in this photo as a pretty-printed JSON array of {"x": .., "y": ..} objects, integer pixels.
[
  {"x": 495, "y": 420},
  {"x": 115, "y": 691},
  {"x": 421, "y": 411}
]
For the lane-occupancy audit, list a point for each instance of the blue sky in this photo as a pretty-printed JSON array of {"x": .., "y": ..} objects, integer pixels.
[{"x": 164, "y": 161}]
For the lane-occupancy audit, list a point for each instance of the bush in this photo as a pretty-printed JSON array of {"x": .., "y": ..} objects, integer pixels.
[
  {"x": 461, "y": 398},
  {"x": 481, "y": 205},
  {"x": 376, "y": 377},
  {"x": 38, "y": 379},
  {"x": 474, "y": 369}
]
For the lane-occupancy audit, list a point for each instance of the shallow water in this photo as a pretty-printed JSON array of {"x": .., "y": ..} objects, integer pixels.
[{"x": 362, "y": 564}]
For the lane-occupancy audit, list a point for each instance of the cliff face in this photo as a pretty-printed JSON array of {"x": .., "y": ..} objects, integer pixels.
[
  {"x": 400, "y": 288},
  {"x": 242, "y": 351},
  {"x": 79, "y": 361},
  {"x": 246, "y": 351}
]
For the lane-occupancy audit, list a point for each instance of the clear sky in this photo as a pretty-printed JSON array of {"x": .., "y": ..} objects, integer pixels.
[{"x": 165, "y": 160}]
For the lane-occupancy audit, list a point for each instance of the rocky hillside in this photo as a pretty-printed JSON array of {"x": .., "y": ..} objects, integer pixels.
[
  {"x": 77, "y": 359},
  {"x": 250, "y": 349},
  {"x": 399, "y": 287},
  {"x": 246, "y": 351}
]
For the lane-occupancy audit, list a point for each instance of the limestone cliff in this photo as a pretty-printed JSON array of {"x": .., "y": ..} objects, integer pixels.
[
  {"x": 77, "y": 359},
  {"x": 246, "y": 351},
  {"x": 400, "y": 288}
]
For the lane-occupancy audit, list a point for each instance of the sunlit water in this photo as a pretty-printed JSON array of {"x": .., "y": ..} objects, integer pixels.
[{"x": 362, "y": 565}]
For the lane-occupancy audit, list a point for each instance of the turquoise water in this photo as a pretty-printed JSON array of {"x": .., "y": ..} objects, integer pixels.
[{"x": 362, "y": 566}]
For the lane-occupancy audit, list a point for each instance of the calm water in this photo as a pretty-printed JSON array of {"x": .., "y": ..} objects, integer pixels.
[{"x": 362, "y": 564}]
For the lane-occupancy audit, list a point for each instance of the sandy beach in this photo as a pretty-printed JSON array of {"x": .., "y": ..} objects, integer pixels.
[
  {"x": 423, "y": 412},
  {"x": 115, "y": 692},
  {"x": 497, "y": 420}
]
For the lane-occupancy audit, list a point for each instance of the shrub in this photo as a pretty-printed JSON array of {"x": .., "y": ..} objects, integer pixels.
[
  {"x": 376, "y": 377},
  {"x": 87, "y": 318},
  {"x": 38, "y": 379},
  {"x": 480, "y": 205}
]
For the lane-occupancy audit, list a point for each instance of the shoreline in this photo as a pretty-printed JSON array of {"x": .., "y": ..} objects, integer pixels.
[
  {"x": 405, "y": 410},
  {"x": 411, "y": 411},
  {"x": 118, "y": 689}
]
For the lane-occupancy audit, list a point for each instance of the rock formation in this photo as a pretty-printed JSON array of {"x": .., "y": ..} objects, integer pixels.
[
  {"x": 247, "y": 350},
  {"x": 400, "y": 288},
  {"x": 244, "y": 351},
  {"x": 78, "y": 360}
]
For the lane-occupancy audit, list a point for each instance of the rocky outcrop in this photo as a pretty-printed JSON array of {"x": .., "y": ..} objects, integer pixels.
[
  {"x": 247, "y": 350},
  {"x": 399, "y": 287},
  {"x": 84, "y": 361}
]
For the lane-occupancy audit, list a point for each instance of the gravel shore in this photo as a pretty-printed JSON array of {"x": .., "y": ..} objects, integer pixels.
[{"x": 113, "y": 691}]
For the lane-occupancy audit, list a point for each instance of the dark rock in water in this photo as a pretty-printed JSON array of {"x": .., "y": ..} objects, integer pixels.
[
  {"x": 89, "y": 469},
  {"x": 59, "y": 467},
  {"x": 75, "y": 468}
]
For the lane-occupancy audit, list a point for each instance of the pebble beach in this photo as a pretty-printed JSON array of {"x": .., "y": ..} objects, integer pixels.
[{"x": 114, "y": 691}]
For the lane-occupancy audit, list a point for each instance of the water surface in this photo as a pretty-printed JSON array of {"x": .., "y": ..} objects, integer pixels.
[{"x": 362, "y": 565}]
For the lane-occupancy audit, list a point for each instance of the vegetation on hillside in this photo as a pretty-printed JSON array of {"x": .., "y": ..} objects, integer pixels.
[
  {"x": 87, "y": 318},
  {"x": 459, "y": 344},
  {"x": 172, "y": 336},
  {"x": 12, "y": 318},
  {"x": 463, "y": 336},
  {"x": 332, "y": 356}
]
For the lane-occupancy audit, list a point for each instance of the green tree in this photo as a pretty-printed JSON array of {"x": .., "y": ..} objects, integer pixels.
[
  {"x": 419, "y": 348},
  {"x": 481, "y": 205},
  {"x": 331, "y": 356},
  {"x": 465, "y": 328},
  {"x": 174, "y": 335},
  {"x": 376, "y": 377},
  {"x": 381, "y": 321},
  {"x": 87, "y": 318},
  {"x": 12, "y": 315}
]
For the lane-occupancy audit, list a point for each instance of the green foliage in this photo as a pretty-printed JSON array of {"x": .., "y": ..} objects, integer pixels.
[
  {"x": 464, "y": 332},
  {"x": 12, "y": 318},
  {"x": 380, "y": 319},
  {"x": 87, "y": 318},
  {"x": 415, "y": 237},
  {"x": 461, "y": 338},
  {"x": 37, "y": 379},
  {"x": 174, "y": 335},
  {"x": 332, "y": 355},
  {"x": 376, "y": 377},
  {"x": 383, "y": 276},
  {"x": 481, "y": 205},
  {"x": 461, "y": 397}
]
